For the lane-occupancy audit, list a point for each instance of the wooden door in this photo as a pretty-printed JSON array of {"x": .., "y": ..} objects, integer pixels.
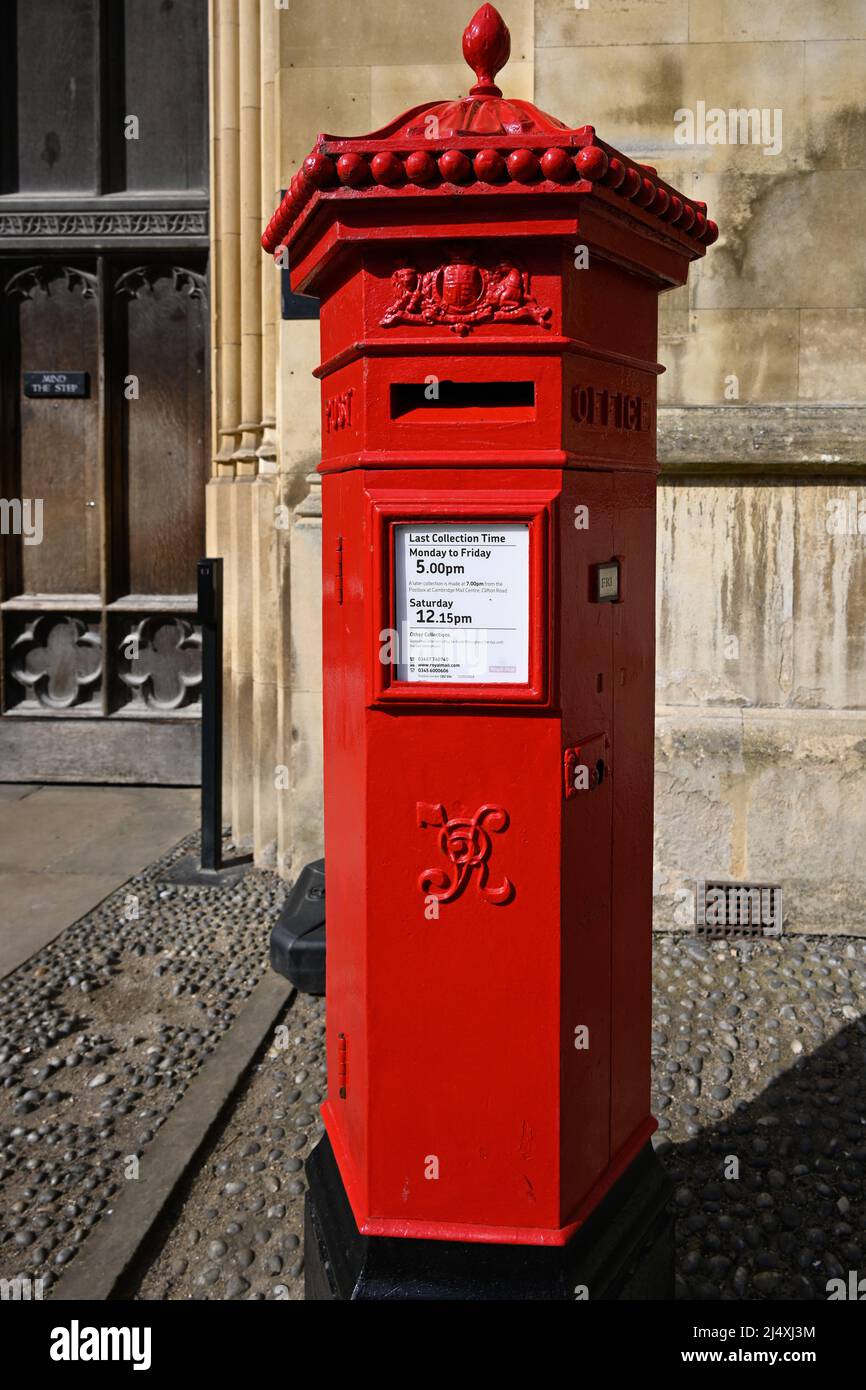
[{"x": 104, "y": 319}]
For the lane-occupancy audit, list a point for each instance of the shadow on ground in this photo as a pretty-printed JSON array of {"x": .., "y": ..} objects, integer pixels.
[{"x": 770, "y": 1187}]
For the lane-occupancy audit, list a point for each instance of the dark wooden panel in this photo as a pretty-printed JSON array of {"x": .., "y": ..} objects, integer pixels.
[
  {"x": 71, "y": 71},
  {"x": 162, "y": 312},
  {"x": 55, "y": 127},
  {"x": 57, "y": 311},
  {"x": 124, "y": 751},
  {"x": 10, "y": 387},
  {"x": 161, "y": 50}
]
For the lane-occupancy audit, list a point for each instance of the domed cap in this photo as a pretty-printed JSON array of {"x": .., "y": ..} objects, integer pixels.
[
  {"x": 480, "y": 145},
  {"x": 486, "y": 48}
]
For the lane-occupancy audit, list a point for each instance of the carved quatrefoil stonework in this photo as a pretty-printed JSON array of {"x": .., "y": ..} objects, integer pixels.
[
  {"x": 165, "y": 674},
  {"x": 57, "y": 660}
]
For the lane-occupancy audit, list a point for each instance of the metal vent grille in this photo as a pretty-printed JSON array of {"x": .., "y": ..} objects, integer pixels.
[{"x": 724, "y": 910}]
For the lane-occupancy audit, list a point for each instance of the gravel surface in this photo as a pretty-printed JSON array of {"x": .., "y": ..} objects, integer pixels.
[
  {"x": 239, "y": 1233},
  {"x": 759, "y": 1084},
  {"x": 100, "y": 1034},
  {"x": 759, "y": 1055}
]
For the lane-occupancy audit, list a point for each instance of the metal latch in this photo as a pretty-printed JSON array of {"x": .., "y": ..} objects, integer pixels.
[{"x": 585, "y": 765}]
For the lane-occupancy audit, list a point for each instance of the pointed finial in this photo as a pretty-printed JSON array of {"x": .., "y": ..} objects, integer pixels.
[{"x": 486, "y": 48}]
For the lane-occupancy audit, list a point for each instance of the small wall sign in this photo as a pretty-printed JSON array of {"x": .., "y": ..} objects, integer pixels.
[
  {"x": 607, "y": 582},
  {"x": 55, "y": 384}
]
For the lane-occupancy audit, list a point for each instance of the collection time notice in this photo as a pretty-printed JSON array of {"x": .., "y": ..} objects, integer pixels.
[{"x": 462, "y": 603}]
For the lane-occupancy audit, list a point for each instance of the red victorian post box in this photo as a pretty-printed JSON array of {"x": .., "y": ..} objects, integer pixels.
[{"x": 488, "y": 282}]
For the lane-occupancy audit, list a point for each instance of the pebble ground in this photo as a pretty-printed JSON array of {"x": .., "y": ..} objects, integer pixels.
[
  {"x": 759, "y": 1085},
  {"x": 100, "y": 1035},
  {"x": 239, "y": 1232}
]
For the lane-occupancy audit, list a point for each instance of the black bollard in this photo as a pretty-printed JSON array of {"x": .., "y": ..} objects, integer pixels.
[
  {"x": 210, "y": 871},
  {"x": 210, "y": 610}
]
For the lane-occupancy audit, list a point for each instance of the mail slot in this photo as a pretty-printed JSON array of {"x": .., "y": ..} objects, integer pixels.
[
  {"x": 458, "y": 401},
  {"x": 488, "y": 692}
]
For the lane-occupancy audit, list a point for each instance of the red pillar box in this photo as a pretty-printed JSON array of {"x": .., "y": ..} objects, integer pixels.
[{"x": 488, "y": 282}]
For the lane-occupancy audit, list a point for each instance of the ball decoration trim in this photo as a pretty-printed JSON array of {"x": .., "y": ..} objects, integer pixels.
[
  {"x": 455, "y": 167},
  {"x": 592, "y": 163},
  {"x": 523, "y": 166},
  {"x": 489, "y": 166},
  {"x": 353, "y": 170},
  {"x": 560, "y": 165}
]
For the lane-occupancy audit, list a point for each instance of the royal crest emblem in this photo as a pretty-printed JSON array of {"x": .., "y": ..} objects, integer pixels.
[
  {"x": 461, "y": 286},
  {"x": 463, "y": 295}
]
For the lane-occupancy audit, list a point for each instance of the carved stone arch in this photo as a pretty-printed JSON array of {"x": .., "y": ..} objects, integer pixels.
[
  {"x": 140, "y": 278},
  {"x": 41, "y": 277},
  {"x": 196, "y": 284}
]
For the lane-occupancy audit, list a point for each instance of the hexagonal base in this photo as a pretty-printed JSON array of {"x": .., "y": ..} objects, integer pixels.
[{"x": 625, "y": 1250}]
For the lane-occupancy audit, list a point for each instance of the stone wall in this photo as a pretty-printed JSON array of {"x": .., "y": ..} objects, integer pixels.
[
  {"x": 761, "y": 602},
  {"x": 761, "y": 731},
  {"x": 761, "y": 611}
]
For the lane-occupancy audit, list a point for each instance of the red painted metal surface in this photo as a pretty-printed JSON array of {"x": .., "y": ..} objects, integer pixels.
[{"x": 489, "y": 925}]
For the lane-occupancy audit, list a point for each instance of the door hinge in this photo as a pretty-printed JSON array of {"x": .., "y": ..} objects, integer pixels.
[
  {"x": 342, "y": 1065},
  {"x": 585, "y": 765}
]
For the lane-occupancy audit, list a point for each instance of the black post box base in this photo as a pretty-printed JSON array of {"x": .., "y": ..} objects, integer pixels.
[{"x": 625, "y": 1250}]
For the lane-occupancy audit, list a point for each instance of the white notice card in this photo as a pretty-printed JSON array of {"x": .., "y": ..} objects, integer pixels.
[{"x": 462, "y": 603}]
